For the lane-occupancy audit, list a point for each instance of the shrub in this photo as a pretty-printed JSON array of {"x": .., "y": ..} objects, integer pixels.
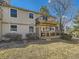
[
  {"x": 66, "y": 36},
  {"x": 12, "y": 36},
  {"x": 32, "y": 36}
]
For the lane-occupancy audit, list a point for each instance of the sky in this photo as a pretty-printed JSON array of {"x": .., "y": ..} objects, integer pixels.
[
  {"x": 30, "y": 4},
  {"x": 35, "y": 5}
]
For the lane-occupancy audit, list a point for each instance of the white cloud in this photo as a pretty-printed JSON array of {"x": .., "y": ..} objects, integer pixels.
[{"x": 49, "y": 1}]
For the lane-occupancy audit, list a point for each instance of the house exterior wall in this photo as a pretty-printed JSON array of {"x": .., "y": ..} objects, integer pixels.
[
  {"x": 22, "y": 16},
  {"x": 22, "y": 21},
  {"x": 75, "y": 34},
  {"x": 21, "y": 29}
]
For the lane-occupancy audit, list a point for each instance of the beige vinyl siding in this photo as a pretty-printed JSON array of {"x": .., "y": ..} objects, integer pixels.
[
  {"x": 22, "y": 21},
  {"x": 22, "y": 16}
]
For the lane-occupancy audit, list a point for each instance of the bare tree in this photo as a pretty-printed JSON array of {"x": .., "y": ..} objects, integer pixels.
[{"x": 61, "y": 7}]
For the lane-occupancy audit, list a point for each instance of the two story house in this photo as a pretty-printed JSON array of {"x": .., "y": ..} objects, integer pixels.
[{"x": 16, "y": 20}]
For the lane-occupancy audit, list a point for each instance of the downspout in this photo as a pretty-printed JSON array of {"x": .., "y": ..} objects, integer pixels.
[
  {"x": 1, "y": 26},
  {"x": 1, "y": 23}
]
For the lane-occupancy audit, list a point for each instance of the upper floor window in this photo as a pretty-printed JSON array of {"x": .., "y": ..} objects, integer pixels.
[
  {"x": 45, "y": 18},
  {"x": 52, "y": 28},
  {"x": 31, "y": 15},
  {"x": 13, "y": 13}
]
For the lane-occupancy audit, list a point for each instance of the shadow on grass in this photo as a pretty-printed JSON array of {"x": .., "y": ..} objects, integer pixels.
[
  {"x": 12, "y": 44},
  {"x": 25, "y": 43},
  {"x": 73, "y": 41}
]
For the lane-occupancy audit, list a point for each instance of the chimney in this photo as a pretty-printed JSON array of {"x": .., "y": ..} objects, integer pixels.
[
  {"x": 7, "y": 1},
  {"x": 4, "y": 2}
]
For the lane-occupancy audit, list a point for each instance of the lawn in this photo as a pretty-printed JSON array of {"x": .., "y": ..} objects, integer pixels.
[{"x": 52, "y": 50}]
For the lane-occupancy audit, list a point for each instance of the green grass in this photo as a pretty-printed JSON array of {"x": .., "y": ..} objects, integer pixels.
[{"x": 58, "y": 50}]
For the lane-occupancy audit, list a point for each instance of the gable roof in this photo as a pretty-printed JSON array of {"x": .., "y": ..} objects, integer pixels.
[{"x": 24, "y": 9}]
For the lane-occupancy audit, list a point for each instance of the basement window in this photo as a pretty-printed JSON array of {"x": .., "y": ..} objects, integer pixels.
[{"x": 13, "y": 27}]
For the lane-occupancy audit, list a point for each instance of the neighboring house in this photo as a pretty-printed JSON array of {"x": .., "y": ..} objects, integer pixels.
[
  {"x": 75, "y": 34},
  {"x": 17, "y": 20},
  {"x": 47, "y": 27}
]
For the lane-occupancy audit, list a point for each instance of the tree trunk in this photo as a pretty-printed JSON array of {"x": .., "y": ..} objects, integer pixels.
[{"x": 61, "y": 26}]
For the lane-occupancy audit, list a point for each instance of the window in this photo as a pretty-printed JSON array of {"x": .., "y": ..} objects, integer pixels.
[
  {"x": 56, "y": 28},
  {"x": 57, "y": 34},
  {"x": 52, "y": 34},
  {"x": 31, "y": 15},
  {"x": 13, "y": 27},
  {"x": 31, "y": 29},
  {"x": 42, "y": 34},
  {"x": 47, "y": 34},
  {"x": 51, "y": 28},
  {"x": 13, "y": 13},
  {"x": 45, "y": 18}
]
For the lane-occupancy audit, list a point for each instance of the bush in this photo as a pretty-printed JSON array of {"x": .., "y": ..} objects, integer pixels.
[
  {"x": 32, "y": 36},
  {"x": 66, "y": 36},
  {"x": 12, "y": 36}
]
